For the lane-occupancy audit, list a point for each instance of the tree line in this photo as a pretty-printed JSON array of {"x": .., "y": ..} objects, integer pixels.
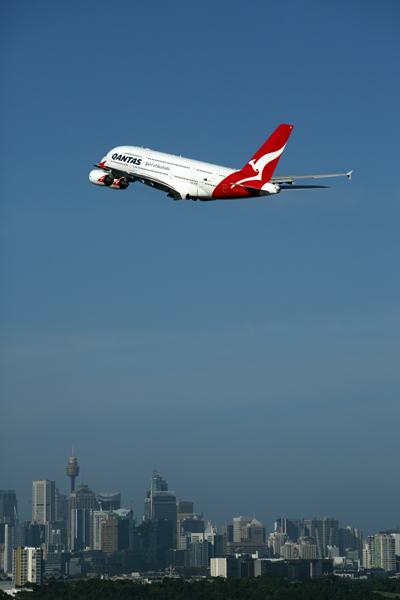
[{"x": 266, "y": 587}]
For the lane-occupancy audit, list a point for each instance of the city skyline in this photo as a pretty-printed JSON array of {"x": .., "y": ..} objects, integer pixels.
[
  {"x": 89, "y": 529},
  {"x": 248, "y": 351},
  {"x": 158, "y": 483}
]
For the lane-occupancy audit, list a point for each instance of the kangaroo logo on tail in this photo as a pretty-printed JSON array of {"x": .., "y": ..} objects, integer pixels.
[
  {"x": 259, "y": 166},
  {"x": 258, "y": 171}
]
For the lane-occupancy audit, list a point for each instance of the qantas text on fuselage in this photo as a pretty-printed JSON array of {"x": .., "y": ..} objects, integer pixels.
[{"x": 183, "y": 178}]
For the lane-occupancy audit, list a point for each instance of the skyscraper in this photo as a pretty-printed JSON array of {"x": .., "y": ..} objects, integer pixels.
[
  {"x": 380, "y": 552},
  {"x": 80, "y": 504},
  {"x": 27, "y": 565},
  {"x": 161, "y": 504},
  {"x": 326, "y": 533},
  {"x": 187, "y": 521},
  {"x": 8, "y": 549},
  {"x": 154, "y": 539},
  {"x": 19, "y": 535},
  {"x": 228, "y": 531},
  {"x": 61, "y": 506},
  {"x": 185, "y": 507},
  {"x": 8, "y": 506},
  {"x": 238, "y": 523},
  {"x": 109, "y": 500},
  {"x": 350, "y": 538},
  {"x": 251, "y": 539},
  {"x": 157, "y": 484},
  {"x": 114, "y": 534},
  {"x": 293, "y": 528},
  {"x": 97, "y": 516},
  {"x": 43, "y": 501}
]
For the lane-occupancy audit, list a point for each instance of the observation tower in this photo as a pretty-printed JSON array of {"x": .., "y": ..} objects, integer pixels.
[{"x": 72, "y": 470}]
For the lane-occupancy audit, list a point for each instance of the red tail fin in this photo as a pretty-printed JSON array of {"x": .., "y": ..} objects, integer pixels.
[
  {"x": 259, "y": 170},
  {"x": 263, "y": 163}
]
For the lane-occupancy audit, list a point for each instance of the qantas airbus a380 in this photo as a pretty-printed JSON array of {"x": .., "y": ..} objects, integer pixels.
[{"x": 183, "y": 178}]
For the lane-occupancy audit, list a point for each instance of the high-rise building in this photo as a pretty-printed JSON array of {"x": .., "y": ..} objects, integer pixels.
[
  {"x": 225, "y": 567},
  {"x": 216, "y": 540},
  {"x": 350, "y": 538},
  {"x": 73, "y": 470},
  {"x": 395, "y": 533},
  {"x": 238, "y": 523},
  {"x": 189, "y": 527},
  {"x": 326, "y": 533},
  {"x": 109, "y": 535},
  {"x": 43, "y": 501},
  {"x": 27, "y": 565},
  {"x": 185, "y": 507},
  {"x": 109, "y": 501},
  {"x": 114, "y": 535},
  {"x": 187, "y": 521},
  {"x": 8, "y": 549},
  {"x": 153, "y": 539},
  {"x": 157, "y": 484},
  {"x": 228, "y": 531},
  {"x": 80, "y": 504},
  {"x": 275, "y": 542},
  {"x": 251, "y": 539},
  {"x": 97, "y": 517},
  {"x": 8, "y": 507},
  {"x": 211, "y": 532},
  {"x": 19, "y": 535},
  {"x": 253, "y": 532},
  {"x": 226, "y": 537},
  {"x": 56, "y": 536},
  {"x": 379, "y": 552},
  {"x": 193, "y": 524},
  {"x": 293, "y": 528},
  {"x": 56, "y": 562},
  {"x": 161, "y": 504},
  {"x": 61, "y": 502},
  {"x": 164, "y": 507},
  {"x": 307, "y": 548},
  {"x": 200, "y": 553},
  {"x": 79, "y": 529},
  {"x": 37, "y": 535}
]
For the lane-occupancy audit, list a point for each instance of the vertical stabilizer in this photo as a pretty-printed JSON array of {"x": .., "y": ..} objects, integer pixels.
[{"x": 258, "y": 171}]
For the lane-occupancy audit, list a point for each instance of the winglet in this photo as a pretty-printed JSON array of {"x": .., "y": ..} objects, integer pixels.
[{"x": 349, "y": 174}]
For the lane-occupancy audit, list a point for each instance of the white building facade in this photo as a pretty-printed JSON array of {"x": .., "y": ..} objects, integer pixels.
[
  {"x": 379, "y": 552},
  {"x": 27, "y": 565},
  {"x": 225, "y": 567},
  {"x": 43, "y": 501}
]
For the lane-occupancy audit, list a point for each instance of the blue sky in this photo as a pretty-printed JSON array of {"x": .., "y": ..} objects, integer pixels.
[{"x": 247, "y": 350}]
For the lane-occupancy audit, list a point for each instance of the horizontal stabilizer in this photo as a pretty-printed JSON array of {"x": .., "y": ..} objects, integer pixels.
[
  {"x": 290, "y": 178},
  {"x": 303, "y": 187}
]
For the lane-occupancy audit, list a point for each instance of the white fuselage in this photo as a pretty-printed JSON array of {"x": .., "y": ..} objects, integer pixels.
[
  {"x": 189, "y": 177},
  {"x": 184, "y": 178}
]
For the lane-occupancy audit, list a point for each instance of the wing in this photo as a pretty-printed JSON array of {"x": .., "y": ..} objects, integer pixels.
[
  {"x": 290, "y": 179},
  {"x": 150, "y": 181}
]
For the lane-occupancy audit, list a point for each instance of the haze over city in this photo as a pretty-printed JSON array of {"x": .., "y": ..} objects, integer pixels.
[{"x": 247, "y": 350}]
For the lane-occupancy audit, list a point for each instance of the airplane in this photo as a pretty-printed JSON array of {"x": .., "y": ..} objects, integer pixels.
[{"x": 186, "y": 179}]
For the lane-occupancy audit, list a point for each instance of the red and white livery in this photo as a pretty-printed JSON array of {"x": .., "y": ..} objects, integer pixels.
[{"x": 183, "y": 178}]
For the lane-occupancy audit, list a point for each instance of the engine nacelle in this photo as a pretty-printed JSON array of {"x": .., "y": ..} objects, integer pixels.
[
  {"x": 269, "y": 188},
  {"x": 120, "y": 184},
  {"x": 106, "y": 179}
]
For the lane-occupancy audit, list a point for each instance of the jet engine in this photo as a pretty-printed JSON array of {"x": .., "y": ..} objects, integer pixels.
[
  {"x": 269, "y": 188},
  {"x": 101, "y": 178}
]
